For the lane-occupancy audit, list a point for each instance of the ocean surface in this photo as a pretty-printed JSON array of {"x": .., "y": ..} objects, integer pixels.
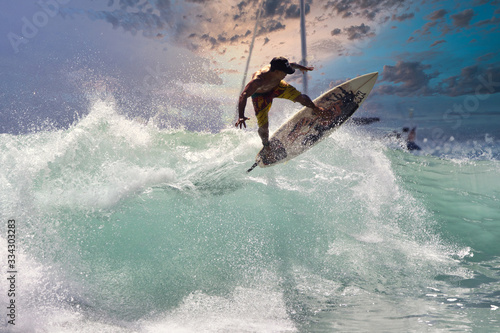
[{"x": 124, "y": 227}]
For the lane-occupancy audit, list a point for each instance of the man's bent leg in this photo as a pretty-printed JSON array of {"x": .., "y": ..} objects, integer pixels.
[
  {"x": 326, "y": 114},
  {"x": 264, "y": 134}
]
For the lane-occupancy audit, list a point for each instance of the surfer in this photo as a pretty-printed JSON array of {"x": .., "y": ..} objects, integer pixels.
[
  {"x": 267, "y": 84},
  {"x": 410, "y": 141}
]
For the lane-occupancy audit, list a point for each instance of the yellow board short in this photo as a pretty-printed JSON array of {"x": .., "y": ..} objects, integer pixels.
[{"x": 262, "y": 102}]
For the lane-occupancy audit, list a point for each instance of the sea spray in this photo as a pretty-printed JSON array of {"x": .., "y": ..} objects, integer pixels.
[{"x": 125, "y": 227}]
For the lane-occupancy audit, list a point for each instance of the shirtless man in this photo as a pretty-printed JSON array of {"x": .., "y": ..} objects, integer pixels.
[{"x": 267, "y": 84}]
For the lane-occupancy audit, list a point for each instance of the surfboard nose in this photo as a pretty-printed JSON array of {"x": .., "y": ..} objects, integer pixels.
[
  {"x": 367, "y": 81},
  {"x": 370, "y": 76}
]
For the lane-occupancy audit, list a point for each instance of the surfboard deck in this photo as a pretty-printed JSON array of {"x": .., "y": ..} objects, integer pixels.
[{"x": 305, "y": 129}]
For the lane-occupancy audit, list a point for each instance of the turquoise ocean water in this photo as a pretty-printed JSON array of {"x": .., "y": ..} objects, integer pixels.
[{"x": 123, "y": 227}]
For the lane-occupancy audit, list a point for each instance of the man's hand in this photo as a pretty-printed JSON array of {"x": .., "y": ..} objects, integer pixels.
[
  {"x": 306, "y": 69},
  {"x": 303, "y": 69},
  {"x": 241, "y": 122}
]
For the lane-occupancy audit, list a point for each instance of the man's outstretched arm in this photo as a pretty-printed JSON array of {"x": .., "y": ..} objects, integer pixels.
[
  {"x": 249, "y": 90},
  {"x": 300, "y": 67}
]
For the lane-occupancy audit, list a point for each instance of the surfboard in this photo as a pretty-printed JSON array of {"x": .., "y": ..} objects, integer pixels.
[{"x": 305, "y": 129}]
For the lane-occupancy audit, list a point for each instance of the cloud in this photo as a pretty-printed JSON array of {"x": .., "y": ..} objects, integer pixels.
[
  {"x": 403, "y": 17},
  {"x": 273, "y": 7},
  {"x": 354, "y": 32},
  {"x": 368, "y": 9},
  {"x": 438, "y": 42},
  {"x": 413, "y": 79},
  {"x": 463, "y": 18},
  {"x": 493, "y": 21},
  {"x": 293, "y": 11},
  {"x": 473, "y": 79},
  {"x": 134, "y": 19},
  {"x": 408, "y": 78},
  {"x": 336, "y": 32},
  {"x": 270, "y": 26},
  {"x": 196, "y": 23},
  {"x": 225, "y": 26},
  {"x": 437, "y": 15},
  {"x": 438, "y": 22},
  {"x": 436, "y": 18},
  {"x": 358, "y": 32},
  {"x": 202, "y": 24},
  {"x": 486, "y": 57}
]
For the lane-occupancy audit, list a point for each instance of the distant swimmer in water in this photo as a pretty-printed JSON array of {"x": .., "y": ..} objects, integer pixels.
[
  {"x": 410, "y": 141},
  {"x": 267, "y": 84}
]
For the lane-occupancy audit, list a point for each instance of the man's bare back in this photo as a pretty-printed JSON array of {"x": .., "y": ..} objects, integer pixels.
[{"x": 266, "y": 80}]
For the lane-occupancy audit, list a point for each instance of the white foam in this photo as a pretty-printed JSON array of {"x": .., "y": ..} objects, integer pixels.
[
  {"x": 245, "y": 310},
  {"x": 116, "y": 181},
  {"x": 40, "y": 296}
]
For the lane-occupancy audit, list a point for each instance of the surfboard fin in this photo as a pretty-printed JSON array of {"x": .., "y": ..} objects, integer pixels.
[{"x": 253, "y": 167}]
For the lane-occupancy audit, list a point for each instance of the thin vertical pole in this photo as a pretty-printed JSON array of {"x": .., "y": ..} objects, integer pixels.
[
  {"x": 259, "y": 11},
  {"x": 303, "y": 42}
]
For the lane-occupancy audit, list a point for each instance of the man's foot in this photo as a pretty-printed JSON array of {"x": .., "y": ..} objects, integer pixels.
[
  {"x": 326, "y": 114},
  {"x": 267, "y": 149},
  {"x": 322, "y": 112},
  {"x": 337, "y": 112}
]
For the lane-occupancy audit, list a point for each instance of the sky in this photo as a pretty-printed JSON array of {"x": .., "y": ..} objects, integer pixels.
[{"x": 182, "y": 62}]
